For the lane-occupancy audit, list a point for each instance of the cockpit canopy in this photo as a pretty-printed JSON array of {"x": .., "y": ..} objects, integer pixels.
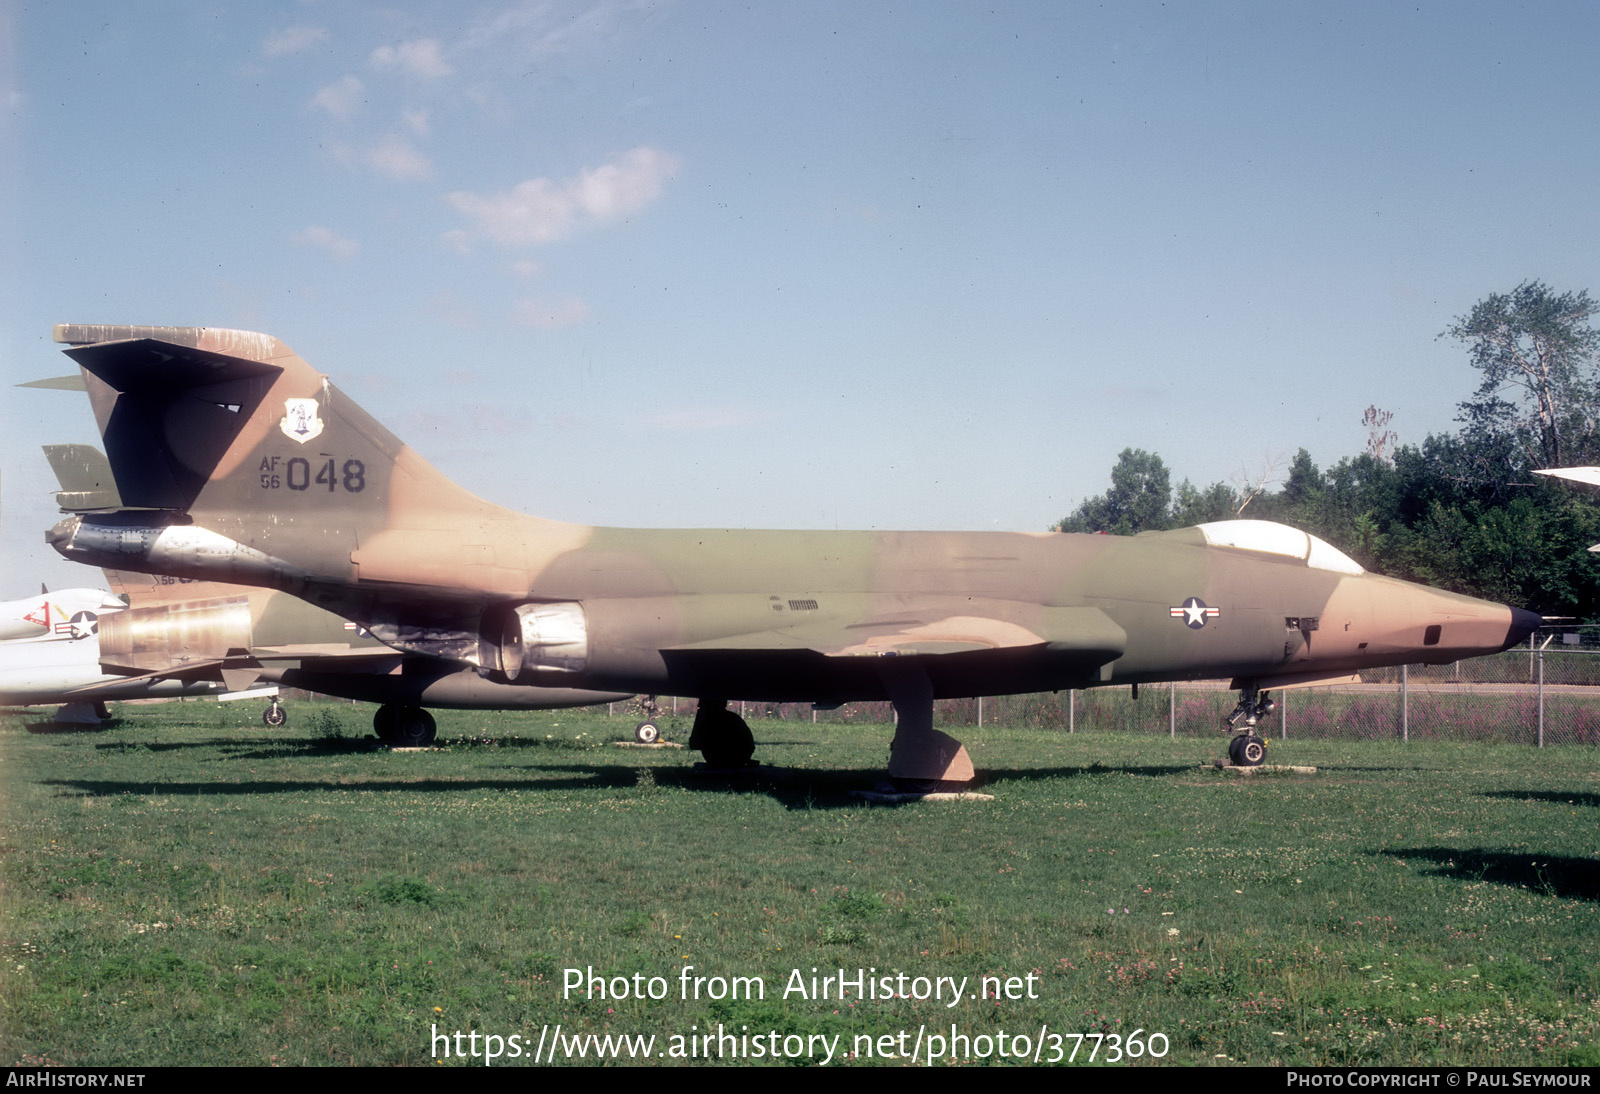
[{"x": 1272, "y": 538}]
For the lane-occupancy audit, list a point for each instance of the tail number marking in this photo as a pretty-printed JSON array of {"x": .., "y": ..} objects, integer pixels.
[{"x": 297, "y": 474}]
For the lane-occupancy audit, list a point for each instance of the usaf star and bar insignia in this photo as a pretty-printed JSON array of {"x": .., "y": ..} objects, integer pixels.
[{"x": 1194, "y": 612}]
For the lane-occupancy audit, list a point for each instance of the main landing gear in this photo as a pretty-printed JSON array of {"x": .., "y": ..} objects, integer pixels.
[
  {"x": 921, "y": 759},
  {"x": 648, "y": 732},
  {"x": 404, "y": 727},
  {"x": 1246, "y": 749},
  {"x": 722, "y": 737}
]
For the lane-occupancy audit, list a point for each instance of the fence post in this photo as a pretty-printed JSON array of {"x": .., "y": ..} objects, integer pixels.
[
  {"x": 1072, "y": 704},
  {"x": 1283, "y": 715},
  {"x": 1405, "y": 709},
  {"x": 1541, "y": 698},
  {"x": 980, "y": 712},
  {"x": 1172, "y": 710}
]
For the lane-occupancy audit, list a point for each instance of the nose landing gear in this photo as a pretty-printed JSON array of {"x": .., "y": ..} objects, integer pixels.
[{"x": 1246, "y": 749}]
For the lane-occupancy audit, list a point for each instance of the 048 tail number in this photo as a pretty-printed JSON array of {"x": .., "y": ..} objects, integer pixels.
[{"x": 299, "y": 473}]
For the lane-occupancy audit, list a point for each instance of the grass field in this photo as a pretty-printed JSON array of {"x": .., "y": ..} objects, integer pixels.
[{"x": 183, "y": 887}]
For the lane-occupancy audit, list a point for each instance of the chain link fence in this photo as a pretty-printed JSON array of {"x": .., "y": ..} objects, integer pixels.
[{"x": 1545, "y": 693}]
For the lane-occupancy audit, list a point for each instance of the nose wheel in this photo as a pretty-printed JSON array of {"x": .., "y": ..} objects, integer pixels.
[{"x": 1247, "y": 750}]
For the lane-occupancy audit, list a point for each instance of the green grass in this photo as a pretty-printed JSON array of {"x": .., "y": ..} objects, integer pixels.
[{"x": 186, "y": 887}]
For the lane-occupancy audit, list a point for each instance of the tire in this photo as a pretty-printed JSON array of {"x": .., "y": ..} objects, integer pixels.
[
  {"x": 647, "y": 733},
  {"x": 275, "y": 716},
  {"x": 1247, "y": 750},
  {"x": 733, "y": 744},
  {"x": 413, "y": 728},
  {"x": 383, "y": 722}
]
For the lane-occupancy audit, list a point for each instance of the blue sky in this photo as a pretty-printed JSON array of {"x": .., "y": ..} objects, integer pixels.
[{"x": 790, "y": 264}]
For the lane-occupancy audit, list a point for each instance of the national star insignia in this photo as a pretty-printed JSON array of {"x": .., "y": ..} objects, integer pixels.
[{"x": 1194, "y": 612}]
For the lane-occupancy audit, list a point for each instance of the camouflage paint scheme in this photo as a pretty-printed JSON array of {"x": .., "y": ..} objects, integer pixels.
[
  {"x": 165, "y": 635},
  {"x": 242, "y": 463}
]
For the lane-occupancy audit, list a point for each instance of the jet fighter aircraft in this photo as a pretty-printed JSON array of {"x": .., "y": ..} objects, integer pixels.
[
  {"x": 239, "y": 462},
  {"x": 63, "y": 614}
]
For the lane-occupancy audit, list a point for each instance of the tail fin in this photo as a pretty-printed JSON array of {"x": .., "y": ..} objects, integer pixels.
[
  {"x": 259, "y": 470},
  {"x": 208, "y": 420},
  {"x": 237, "y": 431}
]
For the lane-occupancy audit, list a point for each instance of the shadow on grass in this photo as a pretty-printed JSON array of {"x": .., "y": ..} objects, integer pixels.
[
  {"x": 793, "y": 788},
  {"x": 1557, "y": 797},
  {"x": 73, "y": 727},
  {"x": 1553, "y": 875},
  {"x": 232, "y": 748}
]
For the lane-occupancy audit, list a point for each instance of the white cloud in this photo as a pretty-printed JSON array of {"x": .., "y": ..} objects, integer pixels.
[
  {"x": 542, "y": 210},
  {"x": 537, "y": 28},
  {"x": 326, "y": 239},
  {"x": 421, "y": 58},
  {"x": 396, "y": 157},
  {"x": 292, "y": 40},
  {"x": 343, "y": 98},
  {"x": 416, "y": 121},
  {"x": 564, "y": 311}
]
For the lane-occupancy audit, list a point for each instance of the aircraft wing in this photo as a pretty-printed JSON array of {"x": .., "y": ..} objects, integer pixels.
[
  {"x": 1589, "y": 476},
  {"x": 233, "y": 669},
  {"x": 1086, "y": 632}
]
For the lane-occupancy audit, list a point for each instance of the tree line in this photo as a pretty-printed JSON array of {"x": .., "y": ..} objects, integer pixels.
[{"x": 1460, "y": 511}]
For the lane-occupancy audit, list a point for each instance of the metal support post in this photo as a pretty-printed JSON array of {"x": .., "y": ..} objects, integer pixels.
[
  {"x": 1541, "y": 698},
  {"x": 1405, "y": 708}
]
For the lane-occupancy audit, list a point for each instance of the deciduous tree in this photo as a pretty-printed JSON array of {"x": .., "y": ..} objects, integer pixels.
[
  {"x": 1139, "y": 500},
  {"x": 1536, "y": 350}
]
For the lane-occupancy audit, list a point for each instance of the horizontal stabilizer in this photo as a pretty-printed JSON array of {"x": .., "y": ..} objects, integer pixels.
[
  {"x": 84, "y": 474},
  {"x": 59, "y": 383},
  {"x": 148, "y": 364},
  {"x": 168, "y": 411}
]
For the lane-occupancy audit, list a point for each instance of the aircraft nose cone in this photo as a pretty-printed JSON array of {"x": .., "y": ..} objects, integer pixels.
[{"x": 1522, "y": 624}]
